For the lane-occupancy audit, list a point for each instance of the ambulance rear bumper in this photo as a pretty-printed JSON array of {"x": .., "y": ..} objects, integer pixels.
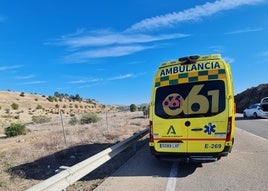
[{"x": 190, "y": 157}]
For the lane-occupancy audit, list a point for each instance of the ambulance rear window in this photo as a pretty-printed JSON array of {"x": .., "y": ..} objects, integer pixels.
[{"x": 198, "y": 99}]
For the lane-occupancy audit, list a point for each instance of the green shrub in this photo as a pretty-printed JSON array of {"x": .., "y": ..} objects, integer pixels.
[
  {"x": 41, "y": 119},
  {"x": 50, "y": 98},
  {"x": 89, "y": 118},
  {"x": 39, "y": 107},
  {"x": 73, "y": 121},
  {"x": 14, "y": 106},
  {"x": 15, "y": 130}
]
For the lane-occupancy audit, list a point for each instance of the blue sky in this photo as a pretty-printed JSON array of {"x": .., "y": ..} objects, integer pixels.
[{"x": 110, "y": 50}]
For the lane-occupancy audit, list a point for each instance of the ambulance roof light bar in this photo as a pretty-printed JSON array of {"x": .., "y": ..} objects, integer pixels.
[{"x": 189, "y": 59}]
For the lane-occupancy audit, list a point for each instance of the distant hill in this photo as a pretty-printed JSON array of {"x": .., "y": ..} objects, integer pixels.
[
  {"x": 250, "y": 96},
  {"x": 20, "y": 107}
]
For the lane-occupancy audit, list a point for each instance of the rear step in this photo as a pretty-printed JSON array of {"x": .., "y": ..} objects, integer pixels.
[
  {"x": 203, "y": 158},
  {"x": 188, "y": 159}
]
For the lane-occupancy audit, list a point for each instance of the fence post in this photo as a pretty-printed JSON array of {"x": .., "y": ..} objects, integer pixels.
[
  {"x": 63, "y": 129},
  {"x": 107, "y": 122}
]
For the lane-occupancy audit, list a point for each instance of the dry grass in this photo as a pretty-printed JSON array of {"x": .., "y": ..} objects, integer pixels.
[{"x": 26, "y": 160}]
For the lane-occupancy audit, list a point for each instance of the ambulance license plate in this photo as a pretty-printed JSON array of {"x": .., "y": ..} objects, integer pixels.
[{"x": 169, "y": 145}]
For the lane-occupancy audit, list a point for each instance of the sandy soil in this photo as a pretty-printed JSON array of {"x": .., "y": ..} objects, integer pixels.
[{"x": 28, "y": 159}]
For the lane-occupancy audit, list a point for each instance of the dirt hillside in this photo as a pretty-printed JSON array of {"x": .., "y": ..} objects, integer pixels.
[
  {"x": 19, "y": 107},
  {"x": 250, "y": 96}
]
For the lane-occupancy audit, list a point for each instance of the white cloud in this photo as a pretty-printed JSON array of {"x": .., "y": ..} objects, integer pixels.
[
  {"x": 121, "y": 77},
  {"x": 229, "y": 59},
  {"x": 195, "y": 13},
  {"x": 110, "y": 38},
  {"x": 83, "y": 56},
  {"x": 34, "y": 82},
  {"x": 85, "y": 45},
  {"x": 247, "y": 30},
  {"x": 108, "y": 44},
  {"x": 25, "y": 77},
  {"x": 4, "y": 68},
  {"x": 85, "y": 81}
]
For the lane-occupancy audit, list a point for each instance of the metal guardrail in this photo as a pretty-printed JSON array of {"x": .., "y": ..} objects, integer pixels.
[{"x": 65, "y": 178}]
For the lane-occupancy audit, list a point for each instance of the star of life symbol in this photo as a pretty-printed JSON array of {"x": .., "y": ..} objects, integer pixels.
[{"x": 210, "y": 128}]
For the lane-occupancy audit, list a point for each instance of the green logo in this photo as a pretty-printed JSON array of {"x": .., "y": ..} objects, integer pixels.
[{"x": 171, "y": 130}]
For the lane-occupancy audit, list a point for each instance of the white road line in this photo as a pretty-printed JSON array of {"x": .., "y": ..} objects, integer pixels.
[
  {"x": 171, "y": 185},
  {"x": 251, "y": 134}
]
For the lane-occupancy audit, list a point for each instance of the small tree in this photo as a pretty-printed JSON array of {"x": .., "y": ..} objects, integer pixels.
[
  {"x": 15, "y": 130},
  {"x": 133, "y": 107}
]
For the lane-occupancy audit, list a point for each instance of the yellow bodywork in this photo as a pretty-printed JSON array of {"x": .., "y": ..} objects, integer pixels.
[{"x": 192, "y": 107}]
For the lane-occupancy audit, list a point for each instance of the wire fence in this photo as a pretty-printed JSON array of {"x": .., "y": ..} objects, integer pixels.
[{"x": 109, "y": 124}]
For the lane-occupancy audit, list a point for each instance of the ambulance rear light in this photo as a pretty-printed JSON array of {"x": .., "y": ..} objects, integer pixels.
[
  {"x": 229, "y": 129},
  {"x": 234, "y": 108},
  {"x": 151, "y": 138},
  {"x": 189, "y": 59}
]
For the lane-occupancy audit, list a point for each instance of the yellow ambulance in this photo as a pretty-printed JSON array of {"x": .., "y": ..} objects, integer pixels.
[{"x": 192, "y": 109}]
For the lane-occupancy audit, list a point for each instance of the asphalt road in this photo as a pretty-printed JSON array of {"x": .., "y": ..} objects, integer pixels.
[
  {"x": 255, "y": 126},
  {"x": 246, "y": 168}
]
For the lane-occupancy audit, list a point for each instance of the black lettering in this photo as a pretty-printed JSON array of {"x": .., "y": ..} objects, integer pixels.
[
  {"x": 194, "y": 67},
  {"x": 217, "y": 65},
  {"x": 175, "y": 70},
  {"x": 162, "y": 73},
  {"x": 168, "y": 71},
  {"x": 200, "y": 66},
  {"x": 182, "y": 68},
  {"x": 207, "y": 65}
]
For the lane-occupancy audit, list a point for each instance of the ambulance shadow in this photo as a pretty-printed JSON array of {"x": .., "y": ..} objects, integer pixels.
[
  {"x": 158, "y": 168},
  {"x": 144, "y": 164},
  {"x": 188, "y": 169}
]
